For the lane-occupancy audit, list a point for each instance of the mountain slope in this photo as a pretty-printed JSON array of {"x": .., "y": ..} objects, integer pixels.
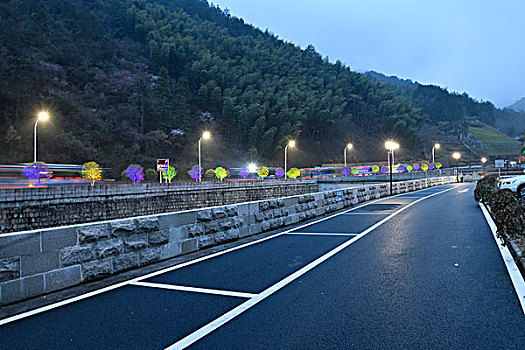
[{"x": 518, "y": 106}]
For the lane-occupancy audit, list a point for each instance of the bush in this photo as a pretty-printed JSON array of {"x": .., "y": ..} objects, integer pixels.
[
  {"x": 150, "y": 174},
  {"x": 508, "y": 211},
  {"x": 484, "y": 188}
]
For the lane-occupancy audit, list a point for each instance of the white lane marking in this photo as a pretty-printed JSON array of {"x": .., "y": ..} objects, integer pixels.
[
  {"x": 194, "y": 289},
  {"x": 463, "y": 191},
  {"x": 210, "y": 327},
  {"x": 175, "y": 267},
  {"x": 374, "y": 213},
  {"x": 321, "y": 234},
  {"x": 510, "y": 264}
]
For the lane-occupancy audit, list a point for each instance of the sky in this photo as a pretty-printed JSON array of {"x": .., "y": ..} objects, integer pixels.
[{"x": 473, "y": 46}]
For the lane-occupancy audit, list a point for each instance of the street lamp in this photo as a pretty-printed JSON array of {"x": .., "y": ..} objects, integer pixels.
[
  {"x": 291, "y": 143},
  {"x": 252, "y": 168},
  {"x": 456, "y": 156},
  {"x": 42, "y": 116},
  {"x": 483, "y": 161},
  {"x": 436, "y": 146},
  {"x": 391, "y": 146},
  {"x": 205, "y": 135},
  {"x": 349, "y": 146}
]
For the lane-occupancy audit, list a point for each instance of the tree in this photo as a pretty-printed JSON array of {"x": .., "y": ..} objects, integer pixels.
[
  {"x": 195, "y": 173},
  {"x": 279, "y": 172},
  {"x": 244, "y": 173},
  {"x": 170, "y": 174},
  {"x": 150, "y": 175},
  {"x": 263, "y": 172},
  {"x": 135, "y": 173},
  {"x": 221, "y": 173},
  {"x": 293, "y": 173},
  {"x": 346, "y": 171},
  {"x": 36, "y": 171},
  {"x": 92, "y": 171}
]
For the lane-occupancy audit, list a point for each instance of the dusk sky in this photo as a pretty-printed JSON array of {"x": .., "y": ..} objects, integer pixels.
[{"x": 476, "y": 46}]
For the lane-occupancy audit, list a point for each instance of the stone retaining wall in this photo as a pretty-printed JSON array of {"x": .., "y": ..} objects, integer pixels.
[
  {"x": 42, "y": 261},
  {"x": 28, "y": 209}
]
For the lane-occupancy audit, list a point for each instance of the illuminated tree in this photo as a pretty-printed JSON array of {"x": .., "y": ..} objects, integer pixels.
[
  {"x": 195, "y": 173},
  {"x": 410, "y": 168},
  {"x": 346, "y": 171},
  {"x": 36, "y": 171},
  {"x": 209, "y": 174},
  {"x": 439, "y": 165},
  {"x": 424, "y": 166},
  {"x": 431, "y": 166},
  {"x": 416, "y": 167},
  {"x": 170, "y": 174},
  {"x": 293, "y": 173},
  {"x": 263, "y": 172},
  {"x": 221, "y": 173},
  {"x": 375, "y": 169},
  {"x": 244, "y": 173},
  {"x": 135, "y": 173},
  {"x": 92, "y": 171},
  {"x": 279, "y": 172}
]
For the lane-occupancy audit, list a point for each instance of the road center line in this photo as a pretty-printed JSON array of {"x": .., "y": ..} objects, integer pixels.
[
  {"x": 210, "y": 327},
  {"x": 376, "y": 213},
  {"x": 321, "y": 234},
  {"x": 227, "y": 293}
]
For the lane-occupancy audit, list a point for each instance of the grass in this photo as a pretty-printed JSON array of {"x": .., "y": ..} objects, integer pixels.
[{"x": 495, "y": 142}]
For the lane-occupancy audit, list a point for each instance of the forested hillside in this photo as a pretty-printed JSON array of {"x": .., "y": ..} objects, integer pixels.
[
  {"x": 452, "y": 110},
  {"x": 128, "y": 81}
]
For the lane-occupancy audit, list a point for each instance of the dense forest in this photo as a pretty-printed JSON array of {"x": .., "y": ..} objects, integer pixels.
[
  {"x": 129, "y": 81},
  {"x": 453, "y": 109}
]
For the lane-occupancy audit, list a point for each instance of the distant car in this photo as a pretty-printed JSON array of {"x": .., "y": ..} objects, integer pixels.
[{"x": 515, "y": 184}]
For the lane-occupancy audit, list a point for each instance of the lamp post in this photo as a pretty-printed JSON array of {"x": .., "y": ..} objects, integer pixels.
[
  {"x": 391, "y": 146},
  {"x": 436, "y": 146},
  {"x": 349, "y": 146},
  {"x": 42, "y": 116},
  {"x": 205, "y": 135},
  {"x": 291, "y": 143},
  {"x": 456, "y": 156},
  {"x": 483, "y": 161}
]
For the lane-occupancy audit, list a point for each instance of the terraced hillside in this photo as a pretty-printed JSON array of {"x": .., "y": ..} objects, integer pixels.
[{"x": 495, "y": 143}]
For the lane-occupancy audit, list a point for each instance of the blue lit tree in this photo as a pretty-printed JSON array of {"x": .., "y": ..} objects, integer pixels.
[
  {"x": 279, "y": 173},
  {"x": 135, "y": 173},
  {"x": 244, "y": 173},
  {"x": 195, "y": 173},
  {"x": 36, "y": 171}
]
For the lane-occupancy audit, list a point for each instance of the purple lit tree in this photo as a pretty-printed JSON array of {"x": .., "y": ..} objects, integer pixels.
[
  {"x": 195, "y": 173},
  {"x": 135, "y": 173},
  {"x": 346, "y": 171},
  {"x": 244, "y": 173},
  {"x": 279, "y": 173},
  {"x": 36, "y": 171}
]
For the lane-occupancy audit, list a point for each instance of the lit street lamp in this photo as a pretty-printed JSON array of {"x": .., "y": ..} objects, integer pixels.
[
  {"x": 349, "y": 146},
  {"x": 291, "y": 143},
  {"x": 391, "y": 146},
  {"x": 205, "y": 135},
  {"x": 483, "y": 161},
  {"x": 456, "y": 156},
  {"x": 42, "y": 116},
  {"x": 436, "y": 146}
]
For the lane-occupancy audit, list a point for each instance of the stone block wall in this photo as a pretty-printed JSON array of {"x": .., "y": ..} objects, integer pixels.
[
  {"x": 37, "y": 262},
  {"x": 28, "y": 209}
]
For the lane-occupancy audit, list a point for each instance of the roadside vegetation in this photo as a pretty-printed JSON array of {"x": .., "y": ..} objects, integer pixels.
[{"x": 506, "y": 207}]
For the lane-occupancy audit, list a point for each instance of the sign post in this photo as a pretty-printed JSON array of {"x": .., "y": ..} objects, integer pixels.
[{"x": 163, "y": 165}]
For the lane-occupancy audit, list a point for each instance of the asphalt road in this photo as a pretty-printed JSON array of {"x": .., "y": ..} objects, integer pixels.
[{"x": 409, "y": 272}]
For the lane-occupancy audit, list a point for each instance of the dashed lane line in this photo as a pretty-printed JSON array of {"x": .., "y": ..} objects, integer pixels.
[
  {"x": 226, "y": 293},
  {"x": 321, "y": 234}
]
